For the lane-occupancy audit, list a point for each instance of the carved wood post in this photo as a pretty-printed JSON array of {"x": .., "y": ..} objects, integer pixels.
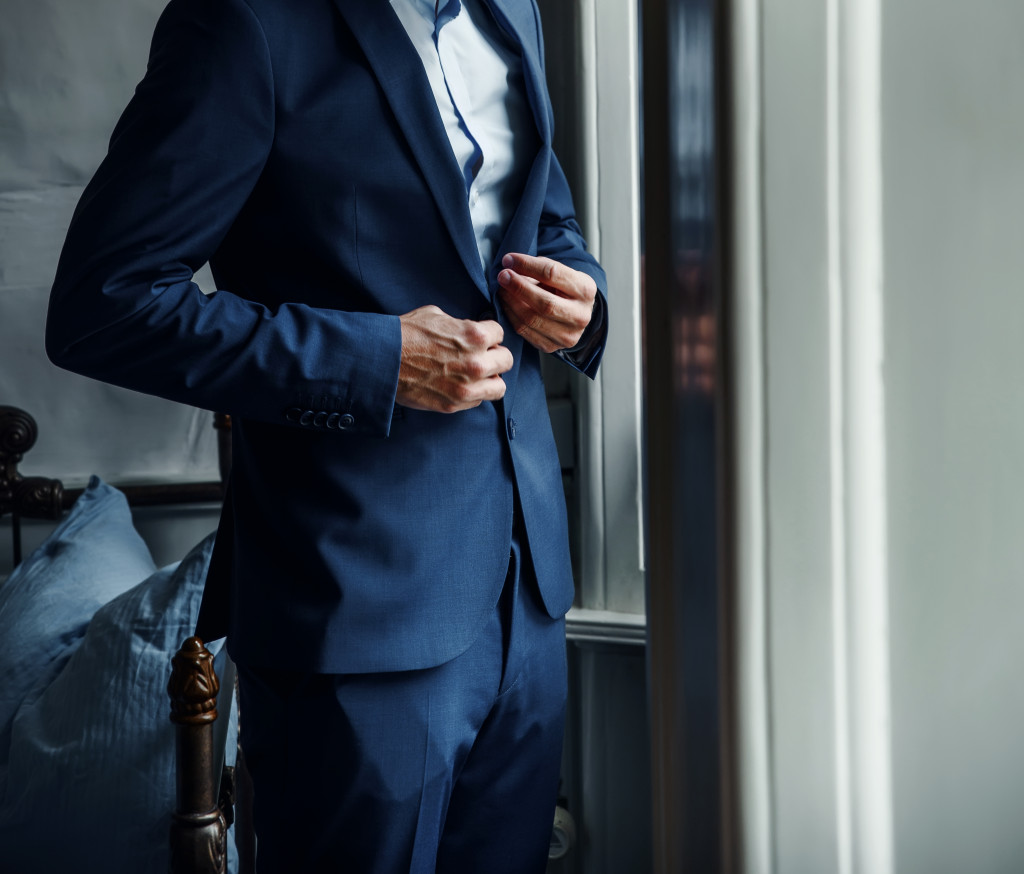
[{"x": 198, "y": 828}]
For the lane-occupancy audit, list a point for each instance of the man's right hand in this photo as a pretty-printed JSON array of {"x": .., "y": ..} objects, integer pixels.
[{"x": 450, "y": 364}]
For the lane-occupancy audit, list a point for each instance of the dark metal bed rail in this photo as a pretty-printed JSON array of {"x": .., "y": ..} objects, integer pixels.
[
  {"x": 37, "y": 497},
  {"x": 23, "y": 497}
]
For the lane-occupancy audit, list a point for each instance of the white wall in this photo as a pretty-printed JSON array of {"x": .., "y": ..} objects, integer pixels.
[{"x": 881, "y": 325}]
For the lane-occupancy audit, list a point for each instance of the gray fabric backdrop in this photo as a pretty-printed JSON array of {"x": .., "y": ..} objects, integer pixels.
[{"x": 67, "y": 68}]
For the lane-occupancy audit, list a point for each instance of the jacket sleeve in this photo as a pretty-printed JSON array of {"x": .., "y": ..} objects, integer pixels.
[
  {"x": 183, "y": 159},
  {"x": 560, "y": 238}
]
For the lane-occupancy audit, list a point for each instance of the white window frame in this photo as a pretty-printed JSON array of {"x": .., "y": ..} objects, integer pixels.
[{"x": 596, "y": 90}]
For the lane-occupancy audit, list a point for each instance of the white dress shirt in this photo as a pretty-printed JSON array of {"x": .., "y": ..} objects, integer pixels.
[{"x": 477, "y": 80}]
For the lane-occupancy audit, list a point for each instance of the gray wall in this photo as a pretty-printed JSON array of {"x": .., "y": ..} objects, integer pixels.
[
  {"x": 885, "y": 135},
  {"x": 606, "y": 763},
  {"x": 953, "y": 116},
  {"x": 67, "y": 68}
]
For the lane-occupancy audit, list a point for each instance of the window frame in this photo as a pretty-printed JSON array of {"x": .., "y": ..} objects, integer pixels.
[{"x": 592, "y": 49}]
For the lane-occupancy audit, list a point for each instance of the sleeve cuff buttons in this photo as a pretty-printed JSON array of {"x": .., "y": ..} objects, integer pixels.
[{"x": 320, "y": 419}]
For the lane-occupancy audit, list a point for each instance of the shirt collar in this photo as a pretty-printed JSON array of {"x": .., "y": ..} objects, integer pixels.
[
  {"x": 434, "y": 9},
  {"x": 439, "y": 12}
]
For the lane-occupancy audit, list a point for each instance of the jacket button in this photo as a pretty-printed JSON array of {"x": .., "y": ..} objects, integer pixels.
[
  {"x": 320, "y": 419},
  {"x": 306, "y": 418},
  {"x": 332, "y": 420},
  {"x": 511, "y": 429},
  {"x": 346, "y": 421},
  {"x": 293, "y": 414}
]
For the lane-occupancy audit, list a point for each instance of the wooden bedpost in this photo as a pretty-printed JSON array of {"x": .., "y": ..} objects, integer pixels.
[{"x": 198, "y": 827}]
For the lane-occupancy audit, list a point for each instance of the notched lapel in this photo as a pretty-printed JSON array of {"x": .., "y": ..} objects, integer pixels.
[
  {"x": 399, "y": 71},
  {"x": 516, "y": 18}
]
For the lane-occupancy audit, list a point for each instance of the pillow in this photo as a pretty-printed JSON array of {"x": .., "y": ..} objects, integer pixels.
[
  {"x": 93, "y": 555},
  {"x": 91, "y": 776}
]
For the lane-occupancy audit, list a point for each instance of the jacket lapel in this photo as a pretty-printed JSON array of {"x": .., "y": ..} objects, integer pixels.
[
  {"x": 400, "y": 73},
  {"x": 517, "y": 19}
]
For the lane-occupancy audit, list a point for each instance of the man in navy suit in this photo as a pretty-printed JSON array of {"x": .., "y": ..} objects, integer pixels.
[{"x": 394, "y": 246}]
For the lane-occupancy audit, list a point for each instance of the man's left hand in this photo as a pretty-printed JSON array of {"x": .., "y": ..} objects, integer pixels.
[{"x": 548, "y": 304}]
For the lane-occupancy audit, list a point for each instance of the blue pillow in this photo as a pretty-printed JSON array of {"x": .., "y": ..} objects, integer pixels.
[
  {"x": 91, "y": 776},
  {"x": 93, "y": 555}
]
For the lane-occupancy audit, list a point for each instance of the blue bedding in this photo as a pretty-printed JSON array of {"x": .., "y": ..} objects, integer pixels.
[{"x": 86, "y": 746}]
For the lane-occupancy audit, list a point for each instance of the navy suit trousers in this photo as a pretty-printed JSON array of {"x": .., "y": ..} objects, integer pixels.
[{"x": 452, "y": 769}]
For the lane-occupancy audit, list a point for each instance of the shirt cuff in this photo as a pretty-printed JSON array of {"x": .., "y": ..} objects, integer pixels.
[{"x": 593, "y": 336}]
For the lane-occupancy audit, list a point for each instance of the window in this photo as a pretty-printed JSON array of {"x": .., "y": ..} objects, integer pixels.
[{"x": 592, "y": 69}]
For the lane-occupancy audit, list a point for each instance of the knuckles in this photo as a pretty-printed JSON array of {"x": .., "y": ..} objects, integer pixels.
[
  {"x": 547, "y": 307},
  {"x": 466, "y": 395},
  {"x": 474, "y": 333},
  {"x": 463, "y": 393},
  {"x": 475, "y": 368}
]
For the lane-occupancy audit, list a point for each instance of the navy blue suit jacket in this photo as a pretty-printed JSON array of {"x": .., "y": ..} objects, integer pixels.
[{"x": 296, "y": 146}]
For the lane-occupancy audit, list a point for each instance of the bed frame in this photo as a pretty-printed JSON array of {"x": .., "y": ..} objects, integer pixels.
[{"x": 206, "y": 802}]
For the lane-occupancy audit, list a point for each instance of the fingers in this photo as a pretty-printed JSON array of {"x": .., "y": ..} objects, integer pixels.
[
  {"x": 453, "y": 364},
  {"x": 450, "y": 364},
  {"x": 478, "y": 335},
  {"x": 554, "y": 276},
  {"x": 549, "y": 304}
]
